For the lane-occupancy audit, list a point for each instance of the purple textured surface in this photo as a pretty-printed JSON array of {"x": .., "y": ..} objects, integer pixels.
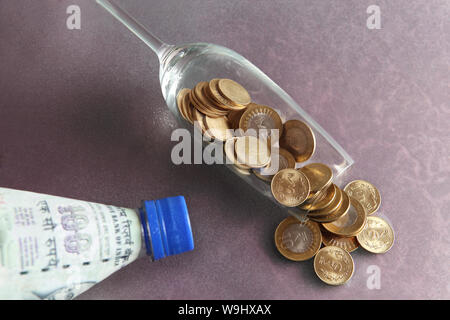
[{"x": 82, "y": 116}]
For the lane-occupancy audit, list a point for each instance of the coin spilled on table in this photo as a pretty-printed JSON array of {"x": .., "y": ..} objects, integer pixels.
[{"x": 335, "y": 221}]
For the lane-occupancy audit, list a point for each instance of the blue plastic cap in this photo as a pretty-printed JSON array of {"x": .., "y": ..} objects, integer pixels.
[{"x": 167, "y": 229}]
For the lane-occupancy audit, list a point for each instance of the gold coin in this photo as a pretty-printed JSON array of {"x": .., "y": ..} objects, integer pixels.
[
  {"x": 349, "y": 244},
  {"x": 316, "y": 197},
  {"x": 181, "y": 96},
  {"x": 197, "y": 100},
  {"x": 231, "y": 157},
  {"x": 262, "y": 176},
  {"x": 203, "y": 97},
  {"x": 377, "y": 235},
  {"x": 188, "y": 108},
  {"x": 342, "y": 210},
  {"x": 252, "y": 151},
  {"x": 198, "y": 118},
  {"x": 221, "y": 101},
  {"x": 229, "y": 150},
  {"x": 258, "y": 118},
  {"x": 351, "y": 223},
  {"x": 290, "y": 187},
  {"x": 319, "y": 176},
  {"x": 243, "y": 171},
  {"x": 297, "y": 240},
  {"x": 218, "y": 128},
  {"x": 365, "y": 193},
  {"x": 298, "y": 139},
  {"x": 234, "y": 92},
  {"x": 333, "y": 265},
  {"x": 285, "y": 160},
  {"x": 214, "y": 95},
  {"x": 322, "y": 202},
  {"x": 234, "y": 117},
  {"x": 230, "y": 153},
  {"x": 197, "y": 105},
  {"x": 337, "y": 201}
]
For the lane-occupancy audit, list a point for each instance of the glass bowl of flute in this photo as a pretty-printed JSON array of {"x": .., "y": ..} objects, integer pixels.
[{"x": 245, "y": 121}]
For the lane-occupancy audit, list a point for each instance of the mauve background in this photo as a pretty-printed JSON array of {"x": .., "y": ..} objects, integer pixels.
[{"x": 82, "y": 116}]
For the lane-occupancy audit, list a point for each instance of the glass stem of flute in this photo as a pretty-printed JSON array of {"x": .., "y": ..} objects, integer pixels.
[{"x": 134, "y": 26}]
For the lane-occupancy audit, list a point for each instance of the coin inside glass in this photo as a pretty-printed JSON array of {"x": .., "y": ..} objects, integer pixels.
[
  {"x": 202, "y": 97},
  {"x": 234, "y": 92},
  {"x": 180, "y": 101},
  {"x": 241, "y": 170},
  {"x": 298, "y": 138},
  {"x": 332, "y": 207},
  {"x": 261, "y": 120},
  {"x": 229, "y": 148},
  {"x": 234, "y": 117},
  {"x": 319, "y": 203},
  {"x": 198, "y": 120},
  {"x": 252, "y": 151},
  {"x": 319, "y": 176},
  {"x": 224, "y": 103},
  {"x": 218, "y": 128},
  {"x": 200, "y": 101},
  {"x": 188, "y": 108}
]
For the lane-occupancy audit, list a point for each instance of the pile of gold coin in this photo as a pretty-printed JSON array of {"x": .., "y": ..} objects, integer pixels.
[
  {"x": 247, "y": 152},
  {"x": 208, "y": 104},
  {"x": 219, "y": 107},
  {"x": 337, "y": 222},
  {"x": 340, "y": 220}
]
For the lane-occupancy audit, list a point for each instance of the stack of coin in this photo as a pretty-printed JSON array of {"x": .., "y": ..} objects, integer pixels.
[
  {"x": 247, "y": 152},
  {"x": 185, "y": 106},
  {"x": 322, "y": 197},
  {"x": 298, "y": 139},
  {"x": 217, "y": 106},
  {"x": 235, "y": 116},
  {"x": 320, "y": 177},
  {"x": 215, "y": 98},
  {"x": 341, "y": 226},
  {"x": 208, "y": 104}
]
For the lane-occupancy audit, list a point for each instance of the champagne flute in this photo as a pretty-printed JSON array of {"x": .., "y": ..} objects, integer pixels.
[{"x": 183, "y": 66}]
